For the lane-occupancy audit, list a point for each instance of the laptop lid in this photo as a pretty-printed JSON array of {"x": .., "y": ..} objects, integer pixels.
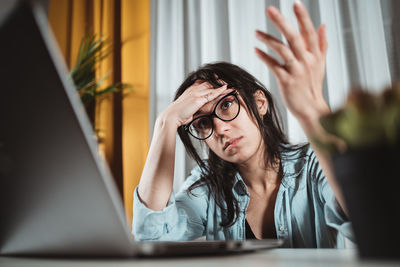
[{"x": 56, "y": 193}]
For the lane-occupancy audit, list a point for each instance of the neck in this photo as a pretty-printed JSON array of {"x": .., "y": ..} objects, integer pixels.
[{"x": 257, "y": 175}]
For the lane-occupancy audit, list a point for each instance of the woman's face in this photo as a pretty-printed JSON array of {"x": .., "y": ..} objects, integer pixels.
[{"x": 236, "y": 141}]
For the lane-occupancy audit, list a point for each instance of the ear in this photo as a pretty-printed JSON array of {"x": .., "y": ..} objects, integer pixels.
[{"x": 261, "y": 102}]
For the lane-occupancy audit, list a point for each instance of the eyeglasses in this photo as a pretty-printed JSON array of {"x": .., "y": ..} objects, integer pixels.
[{"x": 227, "y": 109}]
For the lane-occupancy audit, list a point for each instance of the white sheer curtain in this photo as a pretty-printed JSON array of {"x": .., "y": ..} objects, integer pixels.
[{"x": 362, "y": 35}]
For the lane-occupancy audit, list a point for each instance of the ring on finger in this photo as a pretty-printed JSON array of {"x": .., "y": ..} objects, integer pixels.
[{"x": 287, "y": 64}]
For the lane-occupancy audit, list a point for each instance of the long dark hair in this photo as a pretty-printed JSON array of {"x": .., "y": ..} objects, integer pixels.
[{"x": 217, "y": 174}]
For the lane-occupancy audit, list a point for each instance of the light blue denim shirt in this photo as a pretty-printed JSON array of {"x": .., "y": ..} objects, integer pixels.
[{"x": 306, "y": 211}]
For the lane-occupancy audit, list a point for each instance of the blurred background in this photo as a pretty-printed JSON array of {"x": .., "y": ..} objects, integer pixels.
[{"x": 156, "y": 43}]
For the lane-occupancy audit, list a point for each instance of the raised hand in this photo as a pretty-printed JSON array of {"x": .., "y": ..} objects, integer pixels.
[{"x": 300, "y": 77}]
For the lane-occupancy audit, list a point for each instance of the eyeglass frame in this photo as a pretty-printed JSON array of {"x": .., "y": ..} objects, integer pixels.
[{"x": 214, "y": 114}]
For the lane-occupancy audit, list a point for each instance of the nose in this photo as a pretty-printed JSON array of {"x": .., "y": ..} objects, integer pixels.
[{"x": 220, "y": 126}]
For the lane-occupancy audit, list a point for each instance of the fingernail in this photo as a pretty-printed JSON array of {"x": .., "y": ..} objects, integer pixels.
[
  {"x": 272, "y": 10},
  {"x": 298, "y": 2}
]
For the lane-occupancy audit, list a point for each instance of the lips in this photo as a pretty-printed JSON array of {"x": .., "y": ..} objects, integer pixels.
[{"x": 231, "y": 142}]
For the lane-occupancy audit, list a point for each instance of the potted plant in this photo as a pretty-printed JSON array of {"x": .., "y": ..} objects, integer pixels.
[
  {"x": 366, "y": 162},
  {"x": 92, "y": 51}
]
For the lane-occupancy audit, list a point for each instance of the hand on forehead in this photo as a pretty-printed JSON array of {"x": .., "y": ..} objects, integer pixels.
[
  {"x": 210, "y": 105},
  {"x": 210, "y": 85}
]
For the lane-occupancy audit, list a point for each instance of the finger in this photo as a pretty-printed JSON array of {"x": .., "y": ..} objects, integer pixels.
[
  {"x": 272, "y": 64},
  {"x": 278, "y": 46},
  {"x": 294, "y": 39},
  {"x": 221, "y": 81},
  {"x": 211, "y": 94},
  {"x": 219, "y": 90},
  {"x": 204, "y": 85},
  {"x": 306, "y": 27},
  {"x": 201, "y": 96},
  {"x": 197, "y": 84},
  {"x": 198, "y": 87},
  {"x": 323, "y": 43}
]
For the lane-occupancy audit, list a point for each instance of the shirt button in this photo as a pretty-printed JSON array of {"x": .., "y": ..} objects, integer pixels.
[{"x": 281, "y": 228}]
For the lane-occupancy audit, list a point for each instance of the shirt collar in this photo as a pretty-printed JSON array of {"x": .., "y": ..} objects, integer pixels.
[
  {"x": 293, "y": 164},
  {"x": 239, "y": 186}
]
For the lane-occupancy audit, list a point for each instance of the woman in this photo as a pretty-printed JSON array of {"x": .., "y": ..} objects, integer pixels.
[{"x": 253, "y": 184}]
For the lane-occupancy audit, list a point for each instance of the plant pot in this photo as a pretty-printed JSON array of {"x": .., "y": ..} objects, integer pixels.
[{"x": 370, "y": 180}]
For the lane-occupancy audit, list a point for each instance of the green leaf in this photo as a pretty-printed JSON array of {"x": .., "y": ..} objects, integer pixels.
[
  {"x": 366, "y": 119},
  {"x": 92, "y": 50}
]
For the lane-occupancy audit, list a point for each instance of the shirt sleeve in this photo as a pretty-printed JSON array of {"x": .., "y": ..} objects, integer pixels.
[
  {"x": 333, "y": 213},
  {"x": 184, "y": 217}
]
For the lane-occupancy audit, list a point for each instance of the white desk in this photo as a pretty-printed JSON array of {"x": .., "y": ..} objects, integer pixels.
[{"x": 274, "y": 257}]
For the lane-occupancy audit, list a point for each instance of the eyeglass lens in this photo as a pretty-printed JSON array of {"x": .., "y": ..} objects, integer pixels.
[{"x": 226, "y": 110}]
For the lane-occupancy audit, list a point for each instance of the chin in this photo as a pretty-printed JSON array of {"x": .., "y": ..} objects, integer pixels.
[{"x": 237, "y": 159}]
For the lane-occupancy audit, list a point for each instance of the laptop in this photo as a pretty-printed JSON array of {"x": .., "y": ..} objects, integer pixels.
[{"x": 57, "y": 195}]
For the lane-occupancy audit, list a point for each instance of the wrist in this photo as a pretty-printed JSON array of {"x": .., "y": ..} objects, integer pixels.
[
  {"x": 167, "y": 119},
  {"x": 309, "y": 121},
  {"x": 315, "y": 132}
]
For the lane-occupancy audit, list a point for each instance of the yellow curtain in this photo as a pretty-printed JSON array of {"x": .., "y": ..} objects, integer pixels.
[
  {"x": 71, "y": 20},
  {"x": 136, "y": 71}
]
